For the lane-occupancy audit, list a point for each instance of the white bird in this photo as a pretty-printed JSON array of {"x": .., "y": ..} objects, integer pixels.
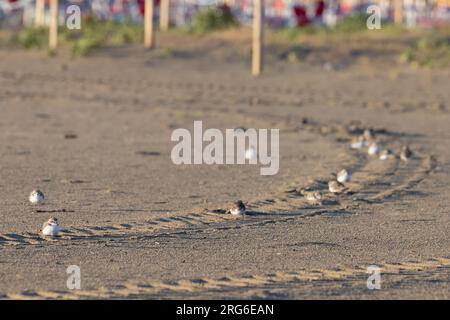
[
  {"x": 357, "y": 142},
  {"x": 313, "y": 197},
  {"x": 36, "y": 197},
  {"x": 344, "y": 176},
  {"x": 374, "y": 149},
  {"x": 386, "y": 155},
  {"x": 251, "y": 153},
  {"x": 51, "y": 227},
  {"x": 238, "y": 208},
  {"x": 336, "y": 187},
  {"x": 369, "y": 136},
  {"x": 240, "y": 130},
  {"x": 406, "y": 153}
]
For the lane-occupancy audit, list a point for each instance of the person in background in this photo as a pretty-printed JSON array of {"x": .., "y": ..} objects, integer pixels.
[{"x": 302, "y": 18}]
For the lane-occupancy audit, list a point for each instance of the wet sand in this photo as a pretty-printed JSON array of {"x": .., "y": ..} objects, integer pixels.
[{"x": 94, "y": 134}]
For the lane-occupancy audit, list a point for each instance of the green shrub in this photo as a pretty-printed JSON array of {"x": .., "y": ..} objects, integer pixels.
[
  {"x": 293, "y": 33},
  {"x": 95, "y": 34},
  {"x": 428, "y": 52},
  {"x": 213, "y": 19},
  {"x": 126, "y": 33},
  {"x": 33, "y": 38},
  {"x": 354, "y": 23},
  {"x": 84, "y": 46}
]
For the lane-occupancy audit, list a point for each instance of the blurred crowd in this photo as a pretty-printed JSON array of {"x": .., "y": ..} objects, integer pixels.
[{"x": 278, "y": 13}]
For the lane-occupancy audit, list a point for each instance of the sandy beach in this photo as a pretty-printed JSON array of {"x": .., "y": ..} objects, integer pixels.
[{"x": 94, "y": 133}]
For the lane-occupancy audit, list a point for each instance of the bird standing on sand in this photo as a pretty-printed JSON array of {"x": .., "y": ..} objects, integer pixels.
[
  {"x": 238, "y": 208},
  {"x": 344, "y": 176},
  {"x": 51, "y": 227},
  {"x": 369, "y": 135},
  {"x": 36, "y": 197},
  {"x": 336, "y": 187},
  {"x": 240, "y": 130},
  {"x": 313, "y": 197},
  {"x": 406, "y": 153},
  {"x": 357, "y": 142},
  {"x": 374, "y": 149},
  {"x": 386, "y": 155}
]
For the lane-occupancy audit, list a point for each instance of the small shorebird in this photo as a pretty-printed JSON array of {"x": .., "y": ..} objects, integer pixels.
[
  {"x": 406, "y": 153},
  {"x": 336, "y": 187},
  {"x": 240, "y": 130},
  {"x": 51, "y": 227},
  {"x": 344, "y": 176},
  {"x": 313, "y": 197},
  {"x": 369, "y": 135},
  {"x": 251, "y": 154},
  {"x": 238, "y": 208},
  {"x": 357, "y": 142},
  {"x": 386, "y": 155},
  {"x": 36, "y": 197},
  {"x": 374, "y": 149}
]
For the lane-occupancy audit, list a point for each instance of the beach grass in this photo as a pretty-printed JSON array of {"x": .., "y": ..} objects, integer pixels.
[
  {"x": 431, "y": 52},
  {"x": 94, "y": 34},
  {"x": 418, "y": 47}
]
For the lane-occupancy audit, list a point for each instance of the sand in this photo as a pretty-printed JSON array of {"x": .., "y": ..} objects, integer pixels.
[{"x": 94, "y": 134}]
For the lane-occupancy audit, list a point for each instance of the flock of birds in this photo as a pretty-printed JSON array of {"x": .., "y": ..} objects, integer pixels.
[
  {"x": 337, "y": 185},
  {"x": 51, "y": 227}
]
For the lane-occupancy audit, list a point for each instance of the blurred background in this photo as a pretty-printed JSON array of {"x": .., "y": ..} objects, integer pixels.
[
  {"x": 278, "y": 13},
  {"x": 412, "y": 31}
]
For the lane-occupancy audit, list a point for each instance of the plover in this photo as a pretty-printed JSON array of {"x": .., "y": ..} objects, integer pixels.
[
  {"x": 344, "y": 176},
  {"x": 374, "y": 149},
  {"x": 240, "y": 130},
  {"x": 36, "y": 197},
  {"x": 357, "y": 142},
  {"x": 386, "y": 155},
  {"x": 51, "y": 227},
  {"x": 406, "y": 153},
  {"x": 251, "y": 153},
  {"x": 336, "y": 187},
  {"x": 369, "y": 135},
  {"x": 238, "y": 208},
  {"x": 313, "y": 197}
]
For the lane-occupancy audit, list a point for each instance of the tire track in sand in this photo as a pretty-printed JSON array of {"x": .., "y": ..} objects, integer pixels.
[
  {"x": 374, "y": 181},
  {"x": 228, "y": 284}
]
